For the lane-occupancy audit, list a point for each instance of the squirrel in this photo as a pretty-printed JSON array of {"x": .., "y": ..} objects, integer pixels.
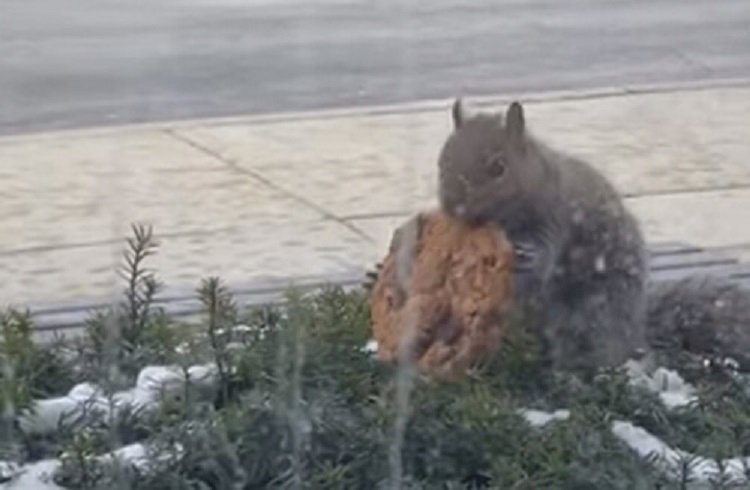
[
  {"x": 581, "y": 260},
  {"x": 581, "y": 265}
]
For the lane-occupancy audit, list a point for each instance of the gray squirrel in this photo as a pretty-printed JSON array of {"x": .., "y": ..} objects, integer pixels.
[{"x": 581, "y": 266}]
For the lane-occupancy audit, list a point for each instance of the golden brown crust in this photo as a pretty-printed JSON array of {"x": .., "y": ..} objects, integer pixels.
[{"x": 457, "y": 300}]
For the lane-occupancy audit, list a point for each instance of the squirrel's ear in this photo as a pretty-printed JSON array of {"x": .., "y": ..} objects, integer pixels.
[
  {"x": 459, "y": 113},
  {"x": 514, "y": 120}
]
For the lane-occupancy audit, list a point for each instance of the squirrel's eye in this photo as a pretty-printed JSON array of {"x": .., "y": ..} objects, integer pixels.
[{"x": 496, "y": 167}]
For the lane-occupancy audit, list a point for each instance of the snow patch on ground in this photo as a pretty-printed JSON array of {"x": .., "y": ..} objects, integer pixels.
[
  {"x": 34, "y": 476},
  {"x": 154, "y": 384},
  {"x": 540, "y": 418},
  {"x": 673, "y": 391},
  {"x": 670, "y": 460},
  {"x": 38, "y": 475},
  {"x": 371, "y": 347},
  {"x": 667, "y": 459}
]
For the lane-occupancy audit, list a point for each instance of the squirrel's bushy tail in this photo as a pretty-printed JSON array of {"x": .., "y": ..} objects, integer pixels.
[{"x": 705, "y": 316}]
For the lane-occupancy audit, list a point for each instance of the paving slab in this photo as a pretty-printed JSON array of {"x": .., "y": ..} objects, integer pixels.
[
  {"x": 718, "y": 219},
  {"x": 656, "y": 143},
  {"x": 78, "y": 189},
  {"x": 356, "y": 165}
]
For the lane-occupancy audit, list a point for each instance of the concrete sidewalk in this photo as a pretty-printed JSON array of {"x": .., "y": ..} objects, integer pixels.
[{"x": 319, "y": 194}]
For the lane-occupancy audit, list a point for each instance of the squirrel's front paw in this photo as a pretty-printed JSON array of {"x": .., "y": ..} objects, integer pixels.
[
  {"x": 371, "y": 277},
  {"x": 526, "y": 257}
]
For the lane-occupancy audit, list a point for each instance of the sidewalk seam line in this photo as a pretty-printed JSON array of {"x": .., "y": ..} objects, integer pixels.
[
  {"x": 37, "y": 249},
  {"x": 234, "y": 166},
  {"x": 689, "y": 190}
]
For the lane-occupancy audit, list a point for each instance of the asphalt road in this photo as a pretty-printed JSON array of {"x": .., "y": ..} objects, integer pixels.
[{"x": 74, "y": 63}]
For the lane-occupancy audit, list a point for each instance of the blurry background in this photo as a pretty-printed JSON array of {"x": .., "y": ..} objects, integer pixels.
[{"x": 286, "y": 139}]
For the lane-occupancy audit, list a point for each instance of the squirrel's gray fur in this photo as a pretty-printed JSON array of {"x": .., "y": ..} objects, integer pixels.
[
  {"x": 706, "y": 317},
  {"x": 581, "y": 262}
]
